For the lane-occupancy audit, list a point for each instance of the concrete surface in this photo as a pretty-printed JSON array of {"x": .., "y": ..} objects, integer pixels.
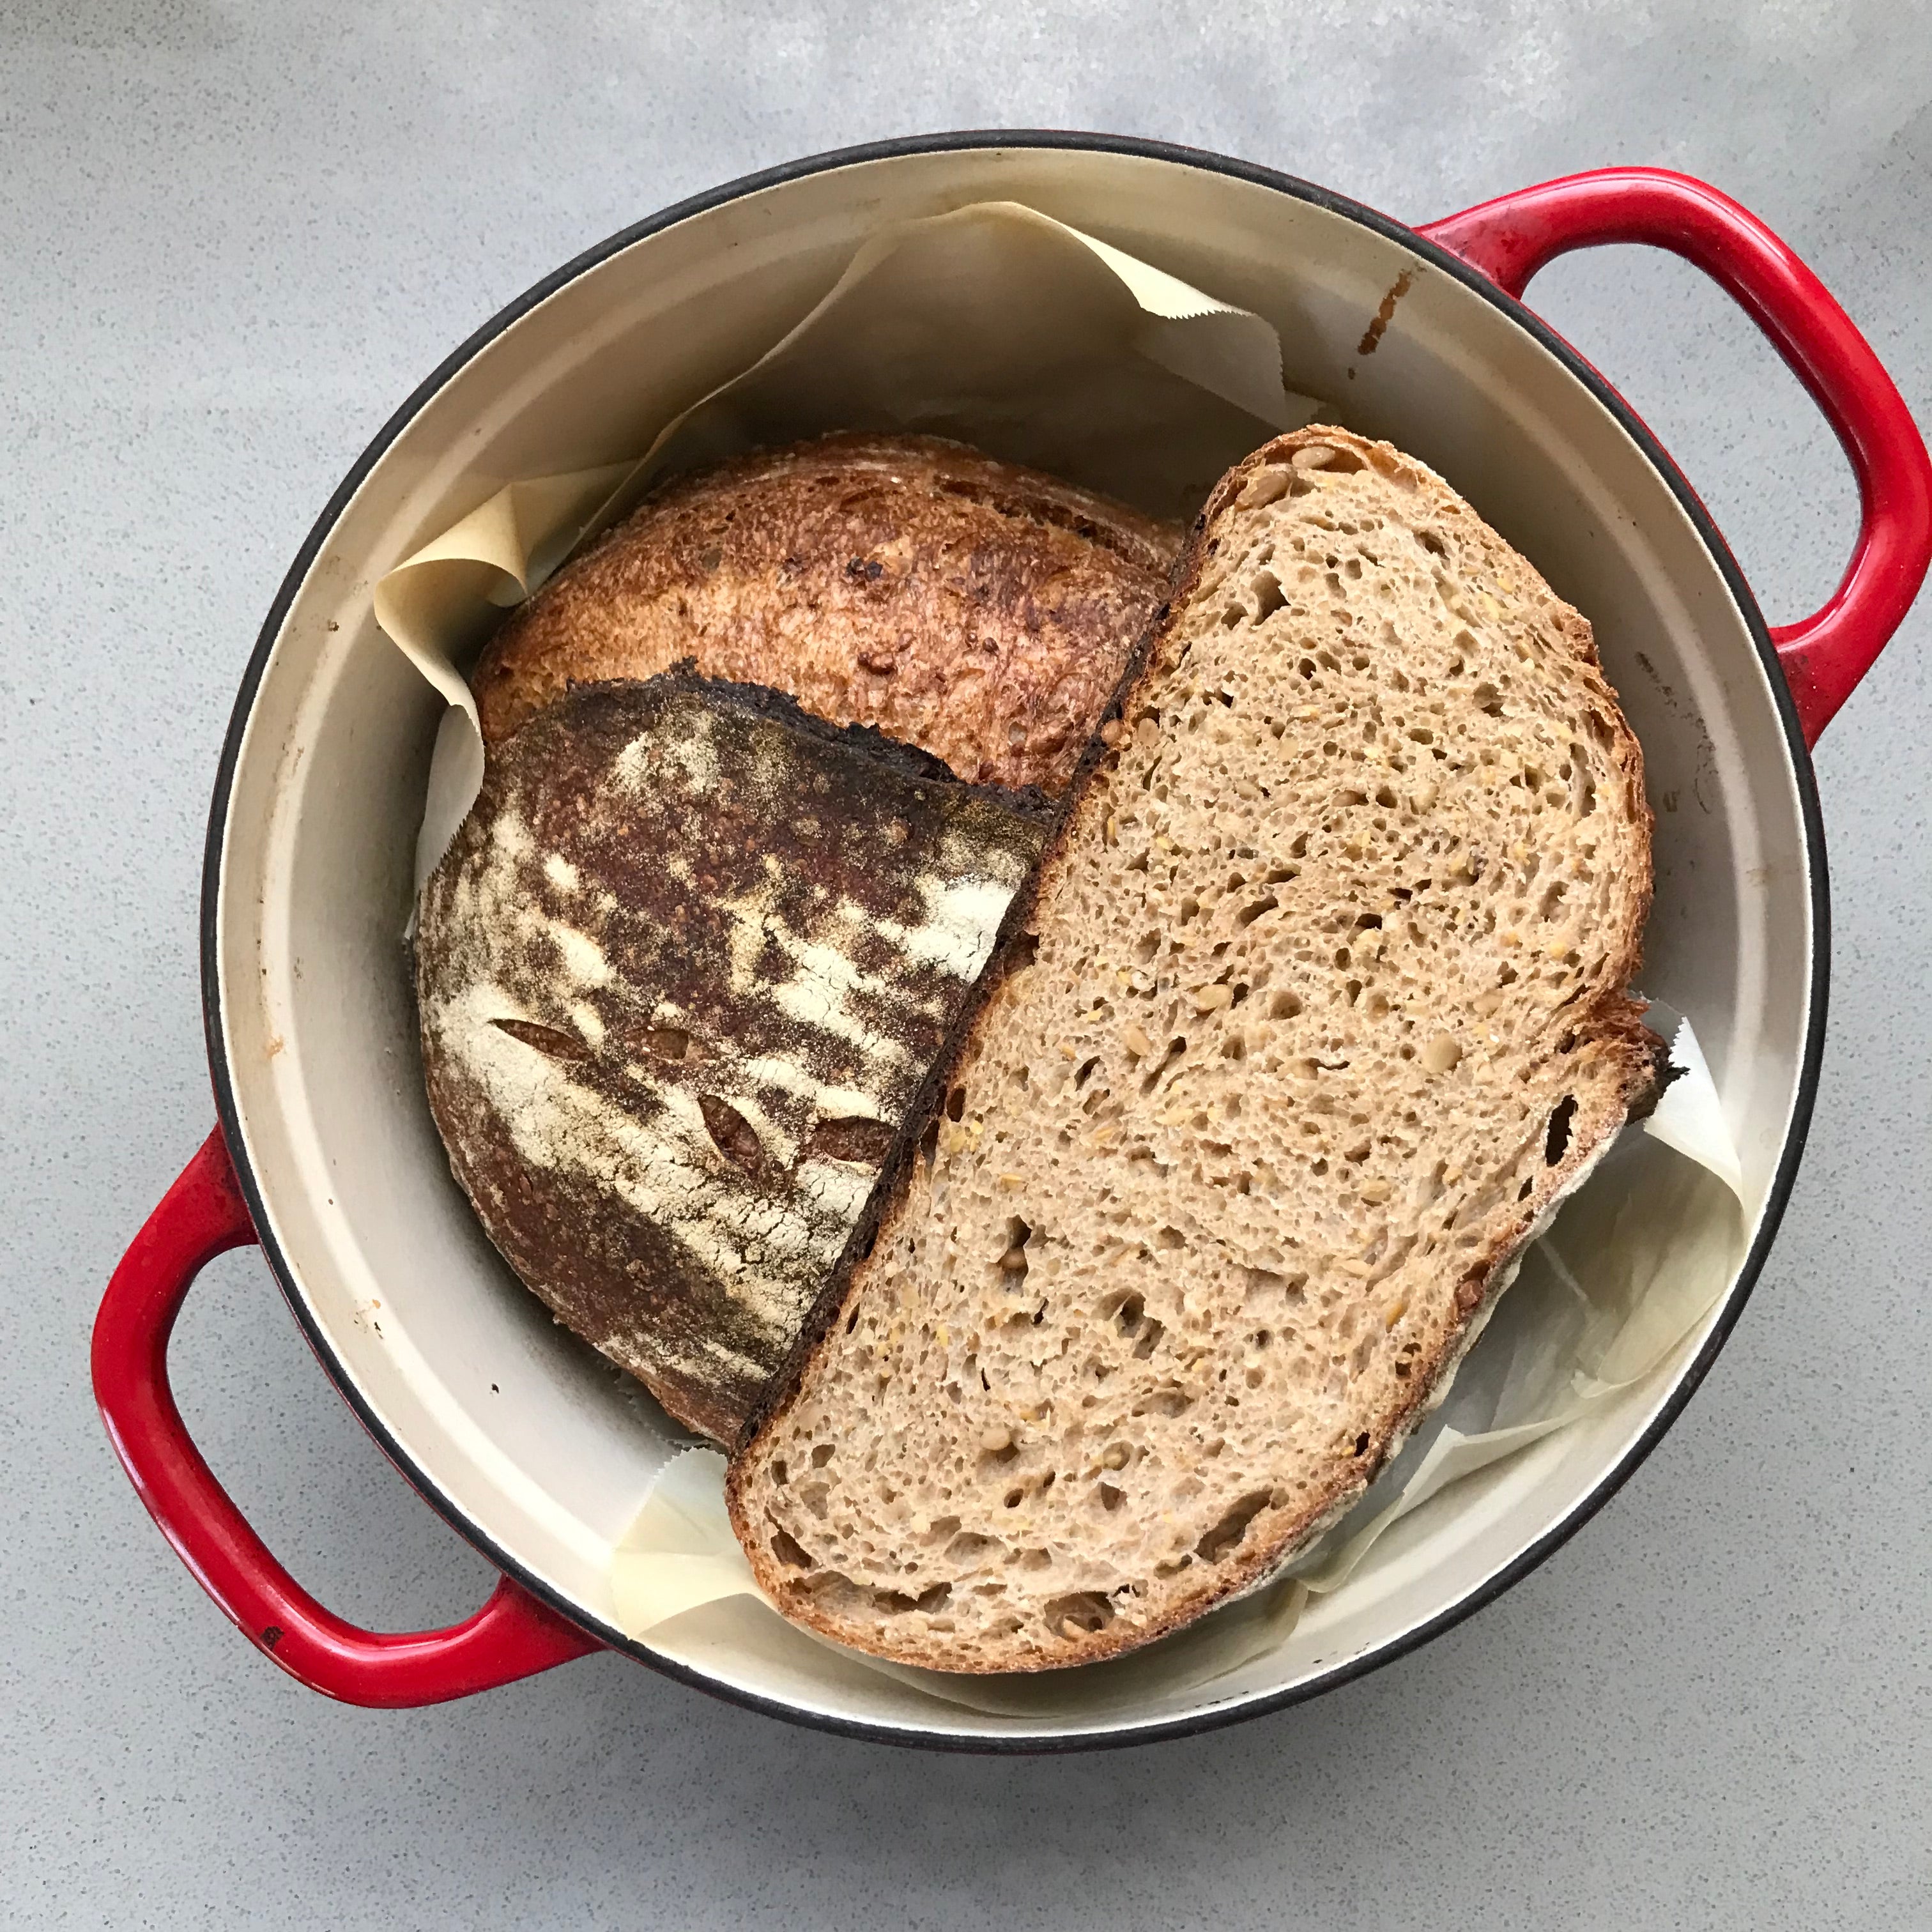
[{"x": 234, "y": 237}]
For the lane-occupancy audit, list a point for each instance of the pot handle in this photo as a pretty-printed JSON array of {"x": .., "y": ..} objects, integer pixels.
[
  {"x": 512, "y": 1636},
  {"x": 1509, "y": 239}
]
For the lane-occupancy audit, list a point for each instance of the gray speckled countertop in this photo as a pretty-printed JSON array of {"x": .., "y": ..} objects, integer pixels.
[{"x": 235, "y": 238}]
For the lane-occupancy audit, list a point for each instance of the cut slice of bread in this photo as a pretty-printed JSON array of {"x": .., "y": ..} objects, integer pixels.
[
  {"x": 1317, "y": 1003},
  {"x": 679, "y": 974},
  {"x": 980, "y": 610}
]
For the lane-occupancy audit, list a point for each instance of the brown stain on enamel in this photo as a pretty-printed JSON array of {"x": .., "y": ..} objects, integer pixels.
[{"x": 1373, "y": 335}]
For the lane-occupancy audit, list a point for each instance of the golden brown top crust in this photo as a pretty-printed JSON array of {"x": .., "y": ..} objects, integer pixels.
[{"x": 979, "y": 610}]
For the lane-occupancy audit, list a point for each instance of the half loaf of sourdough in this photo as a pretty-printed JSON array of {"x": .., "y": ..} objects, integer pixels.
[
  {"x": 1317, "y": 1002},
  {"x": 679, "y": 975},
  {"x": 976, "y": 609}
]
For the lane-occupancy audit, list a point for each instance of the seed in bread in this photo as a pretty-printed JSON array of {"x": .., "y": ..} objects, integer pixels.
[
  {"x": 1317, "y": 1003},
  {"x": 679, "y": 974},
  {"x": 978, "y": 610}
]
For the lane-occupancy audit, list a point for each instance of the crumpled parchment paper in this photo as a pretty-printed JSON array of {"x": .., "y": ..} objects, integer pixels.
[{"x": 993, "y": 324}]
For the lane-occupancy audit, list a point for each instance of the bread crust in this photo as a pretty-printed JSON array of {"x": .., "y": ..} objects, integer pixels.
[
  {"x": 659, "y": 1126},
  {"x": 978, "y": 610},
  {"x": 1609, "y": 1031}
]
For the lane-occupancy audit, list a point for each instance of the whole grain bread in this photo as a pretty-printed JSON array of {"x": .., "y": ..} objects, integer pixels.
[
  {"x": 678, "y": 976},
  {"x": 979, "y": 610},
  {"x": 1316, "y": 1006}
]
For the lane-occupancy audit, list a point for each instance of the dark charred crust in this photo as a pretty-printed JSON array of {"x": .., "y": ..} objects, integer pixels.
[
  {"x": 862, "y": 741},
  {"x": 1663, "y": 1076},
  {"x": 643, "y": 854},
  {"x": 866, "y": 745}
]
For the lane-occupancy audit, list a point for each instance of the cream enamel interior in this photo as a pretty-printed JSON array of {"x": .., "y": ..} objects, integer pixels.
[{"x": 524, "y": 1433}]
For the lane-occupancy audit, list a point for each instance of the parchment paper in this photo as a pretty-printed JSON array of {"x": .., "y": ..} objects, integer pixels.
[
  {"x": 1605, "y": 1300},
  {"x": 993, "y": 324}
]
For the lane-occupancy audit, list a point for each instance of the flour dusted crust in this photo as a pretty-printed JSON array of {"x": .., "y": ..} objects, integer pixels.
[
  {"x": 978, "y": 610},
  {"x": 1316, "y": 1004},
  {"x": 679, "y": 976}
]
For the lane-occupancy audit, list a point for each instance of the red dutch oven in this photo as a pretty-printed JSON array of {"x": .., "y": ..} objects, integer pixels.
[{"x": 324, "y": 1153}]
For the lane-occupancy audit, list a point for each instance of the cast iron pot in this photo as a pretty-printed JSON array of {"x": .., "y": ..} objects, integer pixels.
[{"x": 325, "y": 1153}]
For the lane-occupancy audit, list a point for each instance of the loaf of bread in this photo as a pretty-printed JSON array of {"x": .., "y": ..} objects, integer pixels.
[
  {"x": 678, "y": 976},
  {"x": 1316, "y": 1006},
  {"x": 981, "y": 611}
]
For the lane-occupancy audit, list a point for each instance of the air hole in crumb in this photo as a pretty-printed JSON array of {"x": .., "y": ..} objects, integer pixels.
[
  {"x": 1013, "y": 1257},
  {"x": 1558, "y": 1139},
  {"x": 955, "y": 1104},
  {"x": 1176, "y": 1047},
  {"x": 1227, "y": 1533},
  {"x": 790, "y": 1552},
  {"x": 1083, "y": 1614}
]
